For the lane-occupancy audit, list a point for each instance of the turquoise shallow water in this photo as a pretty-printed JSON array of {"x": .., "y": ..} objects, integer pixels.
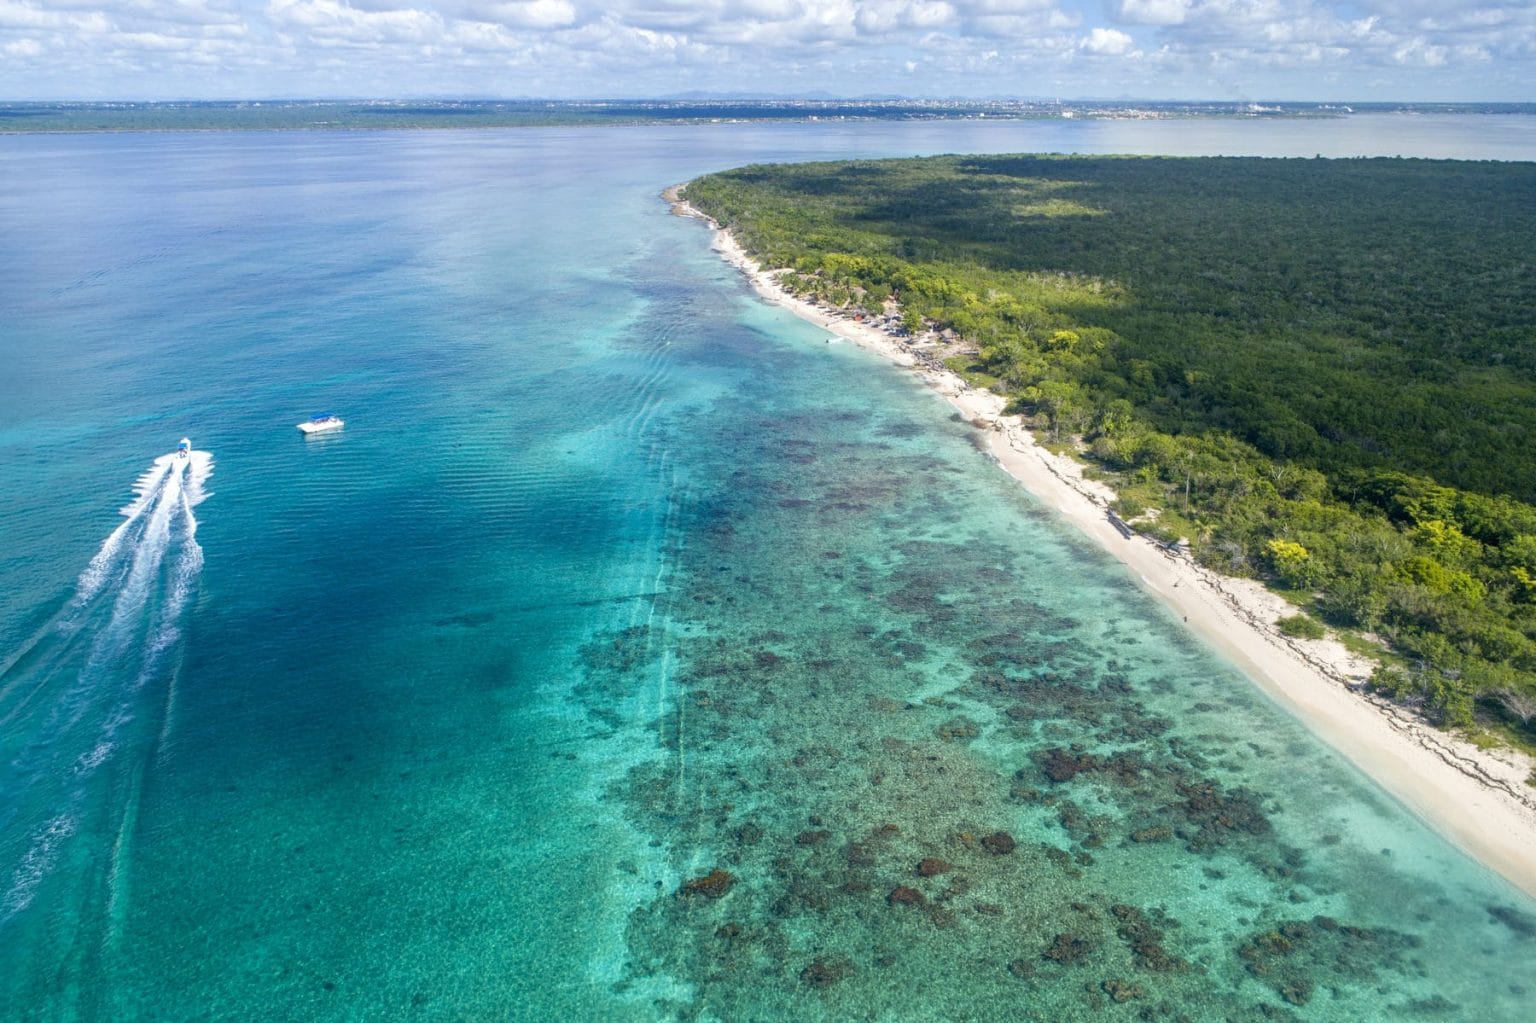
[{"x": 615, "y": 578}]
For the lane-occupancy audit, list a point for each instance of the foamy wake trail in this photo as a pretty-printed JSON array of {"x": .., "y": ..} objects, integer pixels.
[
  {"x": 127, "y": 613},
  {"x": 41, "y": 857},
  {"x": 145, "y": 490},
  {"x": 183, "y": 573},
  {"x": 189, "y": 562}
]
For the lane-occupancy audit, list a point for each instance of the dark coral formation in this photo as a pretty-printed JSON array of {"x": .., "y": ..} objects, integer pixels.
[
  {"x": 999, "y": 843},
  {"x": 712, "y": 885},
  {"x": 1214, "y": 816},
  {"x": 1156, "y": 833},
  {"x": 1145, "y": 940},
  {"x": 824, "y": 971},
  {"x": 1296, "y": 955},
  {"x": 1522, "y": 924},
  {"x": 1123, "y": 991},
  {"x": 1068, "y": 948},
  {"x": 958, "y": 729},
  {"x": 1122, "y": 768},
  {"x": 1062, "y": 766}
]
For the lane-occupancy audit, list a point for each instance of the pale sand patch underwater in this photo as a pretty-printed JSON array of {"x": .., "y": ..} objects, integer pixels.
[{"x": 1475, "y": 797}]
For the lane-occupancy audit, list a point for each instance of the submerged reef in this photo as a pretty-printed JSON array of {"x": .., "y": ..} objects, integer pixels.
[
  {"x": 891, "y": 774},
  {"x": 712, "y": 885},
  {"x": 1298, "y": 956}
]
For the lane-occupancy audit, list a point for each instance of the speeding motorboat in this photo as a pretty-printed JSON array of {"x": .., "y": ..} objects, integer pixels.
[
  {"x": 184, "y": 448},
  {"x": 323, "y": 423}
]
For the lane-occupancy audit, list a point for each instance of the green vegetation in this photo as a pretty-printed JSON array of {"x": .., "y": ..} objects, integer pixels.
[
  {"x": 1302, "y": 626},
  {"x": 1321, "y": 372}
]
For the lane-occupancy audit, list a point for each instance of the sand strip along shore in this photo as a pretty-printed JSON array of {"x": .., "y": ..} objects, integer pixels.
[{"x": 1476, "y": 798}]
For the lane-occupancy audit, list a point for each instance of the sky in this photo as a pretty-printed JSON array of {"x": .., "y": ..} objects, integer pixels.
[{"x": 1245, "y": 50}]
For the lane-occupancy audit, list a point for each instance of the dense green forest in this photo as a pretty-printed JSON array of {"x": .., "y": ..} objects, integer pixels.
[{"x": 1321, "y": 372}]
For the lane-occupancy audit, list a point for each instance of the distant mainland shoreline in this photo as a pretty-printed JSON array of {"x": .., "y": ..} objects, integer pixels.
[{"x": 40, "y": 117}]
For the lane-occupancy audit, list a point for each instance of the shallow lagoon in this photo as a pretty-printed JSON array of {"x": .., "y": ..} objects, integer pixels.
[{"x": 616, "y": 578}]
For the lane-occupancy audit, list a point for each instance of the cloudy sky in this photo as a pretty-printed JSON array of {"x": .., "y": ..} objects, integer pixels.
[{"x": 1179, "y": 49}]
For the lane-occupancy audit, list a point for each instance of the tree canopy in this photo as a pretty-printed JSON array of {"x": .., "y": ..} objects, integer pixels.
[{"x": 1322, "y": 372}]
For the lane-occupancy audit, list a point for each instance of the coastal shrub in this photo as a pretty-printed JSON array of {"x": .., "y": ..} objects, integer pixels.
[
  {"x": 1292, "y": 563},
  {"x": 1301, "y": 626},
  {"x": 1127, "y": 507}
]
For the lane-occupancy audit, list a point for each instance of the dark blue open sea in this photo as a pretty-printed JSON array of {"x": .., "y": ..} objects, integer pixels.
[{"x": 616, "y": 578}]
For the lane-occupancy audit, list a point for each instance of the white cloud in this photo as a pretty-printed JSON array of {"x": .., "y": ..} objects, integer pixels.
[
  {"x": 1026, "y": 25},
  {"x": 767, "y": 10},
  {"x": 537, "y": 14},
  {"x": 886, "y": 17},
  {"x": 20, "y": 14},
  {"x": 338, "y": 23},
  {"x": 980, "y": 8},
  {"x": 154, "y": 41},
  {"x": 607, "y": 47},
  {"x": 1488, "y": 17},
  {"x": 930, "y": 13},
  {"x": 1350, "y": 38},
  {"x": 1154, "y": 12},
  {"x": 1417, "y": 51},
  {"x": 665, "y": 15},
  {"x": 1108, "y": 42},
  {"x": 176, "y": 12}
]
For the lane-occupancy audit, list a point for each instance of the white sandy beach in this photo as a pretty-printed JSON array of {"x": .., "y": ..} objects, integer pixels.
[{"x": 1476, "y": 798}]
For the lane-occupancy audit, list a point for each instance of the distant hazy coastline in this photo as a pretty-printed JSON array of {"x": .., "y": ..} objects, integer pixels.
[{"x": 397, "y": 115}]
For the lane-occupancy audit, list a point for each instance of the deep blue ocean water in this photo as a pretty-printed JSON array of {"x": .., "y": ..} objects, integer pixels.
[{"x": 615, "y": 578}]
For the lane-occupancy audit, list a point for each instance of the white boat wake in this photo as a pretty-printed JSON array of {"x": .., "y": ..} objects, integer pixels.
[{"x": 93, "y": 687}]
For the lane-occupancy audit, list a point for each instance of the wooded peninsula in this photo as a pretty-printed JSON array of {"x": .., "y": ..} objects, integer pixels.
[{"x": 1321, "y": 373}]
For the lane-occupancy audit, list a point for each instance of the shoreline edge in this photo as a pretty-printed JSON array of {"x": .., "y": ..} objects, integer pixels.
[{"x": 1475, "y": 798}]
